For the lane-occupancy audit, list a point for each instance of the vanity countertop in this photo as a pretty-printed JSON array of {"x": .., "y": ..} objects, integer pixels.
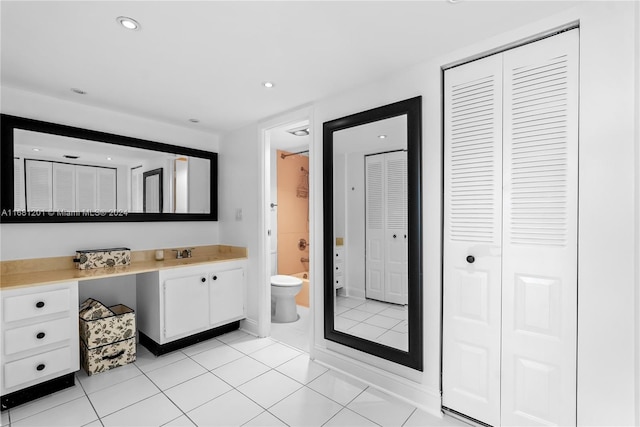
[{"x": 43, "y": 271}]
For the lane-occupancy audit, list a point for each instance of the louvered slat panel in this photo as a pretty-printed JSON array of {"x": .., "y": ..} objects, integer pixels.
[
  {"x": 539, "y": 153},
  {"x": 472, "y": 160},
  {"x": 397, "y": 192},
  {"x": 374, "y": 195}
]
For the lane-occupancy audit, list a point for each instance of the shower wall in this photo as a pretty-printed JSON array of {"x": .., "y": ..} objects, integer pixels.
[{"x": 293, "y": 216}]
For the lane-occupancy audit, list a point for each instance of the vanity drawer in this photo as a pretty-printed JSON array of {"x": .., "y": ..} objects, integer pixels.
[
  {"x": 36, "y": 367},
  {"x": 34, "y": 336},
  {"x": 36, "y": 304}
]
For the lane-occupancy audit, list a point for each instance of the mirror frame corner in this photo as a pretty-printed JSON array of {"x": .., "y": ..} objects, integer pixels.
[
  {"x": 8, "y": 123},
  {"x": 412, "y": 108}
]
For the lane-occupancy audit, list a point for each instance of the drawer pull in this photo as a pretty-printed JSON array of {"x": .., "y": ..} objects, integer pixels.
[
  {"x": 40, "y": 367},
  {"x": 113, "y": 356},
  {"x": 40, "y": 304},
  {"x": 215, "y": 277},
  {"x": 40, "y": 335}
]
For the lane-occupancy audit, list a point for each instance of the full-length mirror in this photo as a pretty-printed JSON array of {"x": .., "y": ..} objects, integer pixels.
[
  {"x": 56, "y": 173},
  {"x": 372, "y": 233}
]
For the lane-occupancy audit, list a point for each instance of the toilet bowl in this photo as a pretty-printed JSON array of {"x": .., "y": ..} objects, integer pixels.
[{"x": 283, "y": 298}]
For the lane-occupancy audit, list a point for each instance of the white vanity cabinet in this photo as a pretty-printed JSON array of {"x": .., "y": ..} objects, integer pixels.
[
  {"x": 177, "y": 303},
  {"x": 39, "y": 335}
]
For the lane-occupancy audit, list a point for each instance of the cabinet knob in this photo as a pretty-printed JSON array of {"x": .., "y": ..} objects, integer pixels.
[
  {"x": 470, "y": 259},
  {"x": 394, "y": 236},
  {"x": 40, "y": 335},
  {"x": 203, "y": 279},
  {"x": 40, "y": 304},
  {"x": 215, "y": 277},
  {"x": 40, "y": 367}
]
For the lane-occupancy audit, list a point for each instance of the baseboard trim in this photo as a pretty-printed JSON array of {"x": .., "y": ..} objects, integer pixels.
[
  {"x": 402, "y": 388},
  {"x": 37, "y": 391},
  {"x": 250, "y": 326},
  {"x": 160, "y": 349}
]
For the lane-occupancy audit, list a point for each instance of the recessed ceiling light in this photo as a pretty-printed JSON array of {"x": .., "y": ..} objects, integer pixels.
[
  {"x": 128, "y": 23},
  {"x": 78, "y": 91},
  {"x": 36, "y": 149},
  {"x": 382, "y": 136},
  {"x": 194, "y": 120},
  {"x": 268, "y": 85},
  {"x": 108, "y": 158}
]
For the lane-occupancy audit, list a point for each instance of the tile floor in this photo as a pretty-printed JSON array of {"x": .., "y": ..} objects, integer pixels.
[
  {"x": 373, "y": 320},
  {"x": 232, "y": 380}
]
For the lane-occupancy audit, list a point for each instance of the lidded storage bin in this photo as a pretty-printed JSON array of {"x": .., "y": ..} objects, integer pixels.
[{"x": 107, "y": 336}]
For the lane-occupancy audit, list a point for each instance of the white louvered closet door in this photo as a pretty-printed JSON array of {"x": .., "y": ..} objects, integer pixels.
[
  {"x": 39, "y": 183},
  {"x": 396, "y": 247},
  {"x": 539, "y": 289},
  {"x": 524, "y": 273},
  {"x": 472, "y": 227},
  {"x": 374, "y": 227}
]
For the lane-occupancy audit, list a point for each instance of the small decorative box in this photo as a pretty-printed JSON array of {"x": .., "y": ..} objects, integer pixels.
[
  {"x": 99, "y": 258},
  {"x": 107, "y": 336}
]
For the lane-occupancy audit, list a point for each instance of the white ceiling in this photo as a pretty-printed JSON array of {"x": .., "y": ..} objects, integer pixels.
[{"x": 207, "y": 59}]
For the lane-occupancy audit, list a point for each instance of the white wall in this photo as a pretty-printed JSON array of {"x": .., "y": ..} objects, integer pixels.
[
  {"x": 47, "y": 240},
  {"x": 608, "y": 253}
]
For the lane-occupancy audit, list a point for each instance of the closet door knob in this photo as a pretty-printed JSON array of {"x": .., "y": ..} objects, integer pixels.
[
  {"x": 40, "y": 367},
  {"x": 40, "y": 335},
  {"x": 215, "y": 277},
  {"x": 470, "y": 259},
  {"x": 40, "y": 304},
  {"x": 394, "y": 236},
  {"x": 203, "y": 279}
]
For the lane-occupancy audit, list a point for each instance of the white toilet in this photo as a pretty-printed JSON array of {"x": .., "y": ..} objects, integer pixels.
[{"x": 283, "y": 298}]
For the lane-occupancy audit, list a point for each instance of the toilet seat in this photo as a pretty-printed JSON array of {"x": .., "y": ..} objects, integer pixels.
[{"x": 285, "y": 281}]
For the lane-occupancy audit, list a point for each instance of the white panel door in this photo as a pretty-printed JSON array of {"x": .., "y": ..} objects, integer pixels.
[
  {"x": 472, "y": 239},
  {"x": 86, "y": 198},
  {"x": 64, "y": 187},
  {"x": 186, "y": 305},
  {"x": 396, "y": 248},
  {"x": 539, "y": 302},
  {"x": 39, "y": 181},
  {"x": 106, "y": 189},
  {"x": 374, "y": 227}
]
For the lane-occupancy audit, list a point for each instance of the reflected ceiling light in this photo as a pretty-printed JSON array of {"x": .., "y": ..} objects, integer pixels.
[
  {"x": 36, "y": 149},
  {"x": 268, "y": 85},
  {"x": 128, "y": 23},
  {"x": 108, "y": 158},
  {"x": 78, "y": 91},
  {"x": 382, "y": 136}
]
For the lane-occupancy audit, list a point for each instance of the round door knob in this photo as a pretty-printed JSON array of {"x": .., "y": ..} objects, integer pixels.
[
  {"x": 470, "y": 259},
  {"x": 202, "y": 279},
  {"x": 394, "y": 236},
  {"x": 40, "y": 367},
  {"x": 215, "y": 277},
  {"x": 40, "y": 304},
  {"x": 40, "y": 335}
]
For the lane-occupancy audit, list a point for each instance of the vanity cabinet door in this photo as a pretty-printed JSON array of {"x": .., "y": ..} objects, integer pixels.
[
  {"x": 186, "y": 305},
  {"x": 226, "y": 295}
]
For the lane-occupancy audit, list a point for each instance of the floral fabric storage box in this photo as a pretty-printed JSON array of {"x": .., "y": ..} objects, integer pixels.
[
  {"x": 107, "y": 336},
  {"x": 100, "y": 258}
]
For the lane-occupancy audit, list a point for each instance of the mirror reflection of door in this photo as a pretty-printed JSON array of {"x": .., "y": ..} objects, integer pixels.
[
  {"x": 152, "y": 190},
  {"x": 370, "y": 217}
]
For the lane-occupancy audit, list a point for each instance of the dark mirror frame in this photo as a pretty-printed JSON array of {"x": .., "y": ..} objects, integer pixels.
[
  {"x": 413, "y": 109},
  {"x": 7, "y": 125}
]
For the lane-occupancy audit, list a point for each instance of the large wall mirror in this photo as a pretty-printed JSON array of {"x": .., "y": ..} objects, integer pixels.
[
  {"x": 372, "y": 232},
  {"x": 57, "y": 173}
]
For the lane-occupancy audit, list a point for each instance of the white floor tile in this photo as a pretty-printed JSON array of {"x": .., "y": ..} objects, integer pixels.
[
  {"x": 302, "y": 369},
  {"x": 402, "y": 327},
  {"x": 202, "y": 346},
  {"x": 349, "y": 302},
  {"x": 395, "y": 339},
  {"x": 367, "y": 331},
  {"x": 216, "y": 357},
  {"x": 4, "y": 418},
  {"x": 344, "y": 324},
  {"x": 77, "y": 412},
  {"x": 305, "y": 407},
  {"x": 265, "y": 419},
  {"x": 96, "y": 423},
  {"x": 182, "y": 421},
  {"x": 338, "y": 387},
  {"x": 197, "y": 391},
  {"x": 175, "y": 373},
  {"x": 230, "y": 409},
  {"x": 291, "y": 336},
  {"x": 250, "y": 344},
  {"x": 421, "y": 418},
  {"x": 348, "y": 418},
  {"x": 106, "y": 379},
  {"x": 355, "y": 314},
  {"x": 373, "y": 306},
  {"x": 46, "y": 402},
  {"x": 112, "y": 399},
  {"x": 339, "y": 309},
  {"x": 275, "y": 355},
  {"x": 381, "y": 408},
  {"x": 395, "y": 313},
  {"x": 154, "y": 411},
  {"x": 382, "y": 321},
  {"x": 232, "y": 336},
  {"x": 269, "y": 388},
  {"x": 147, "y": 362},
  {"x": 241, "y": 370}
]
